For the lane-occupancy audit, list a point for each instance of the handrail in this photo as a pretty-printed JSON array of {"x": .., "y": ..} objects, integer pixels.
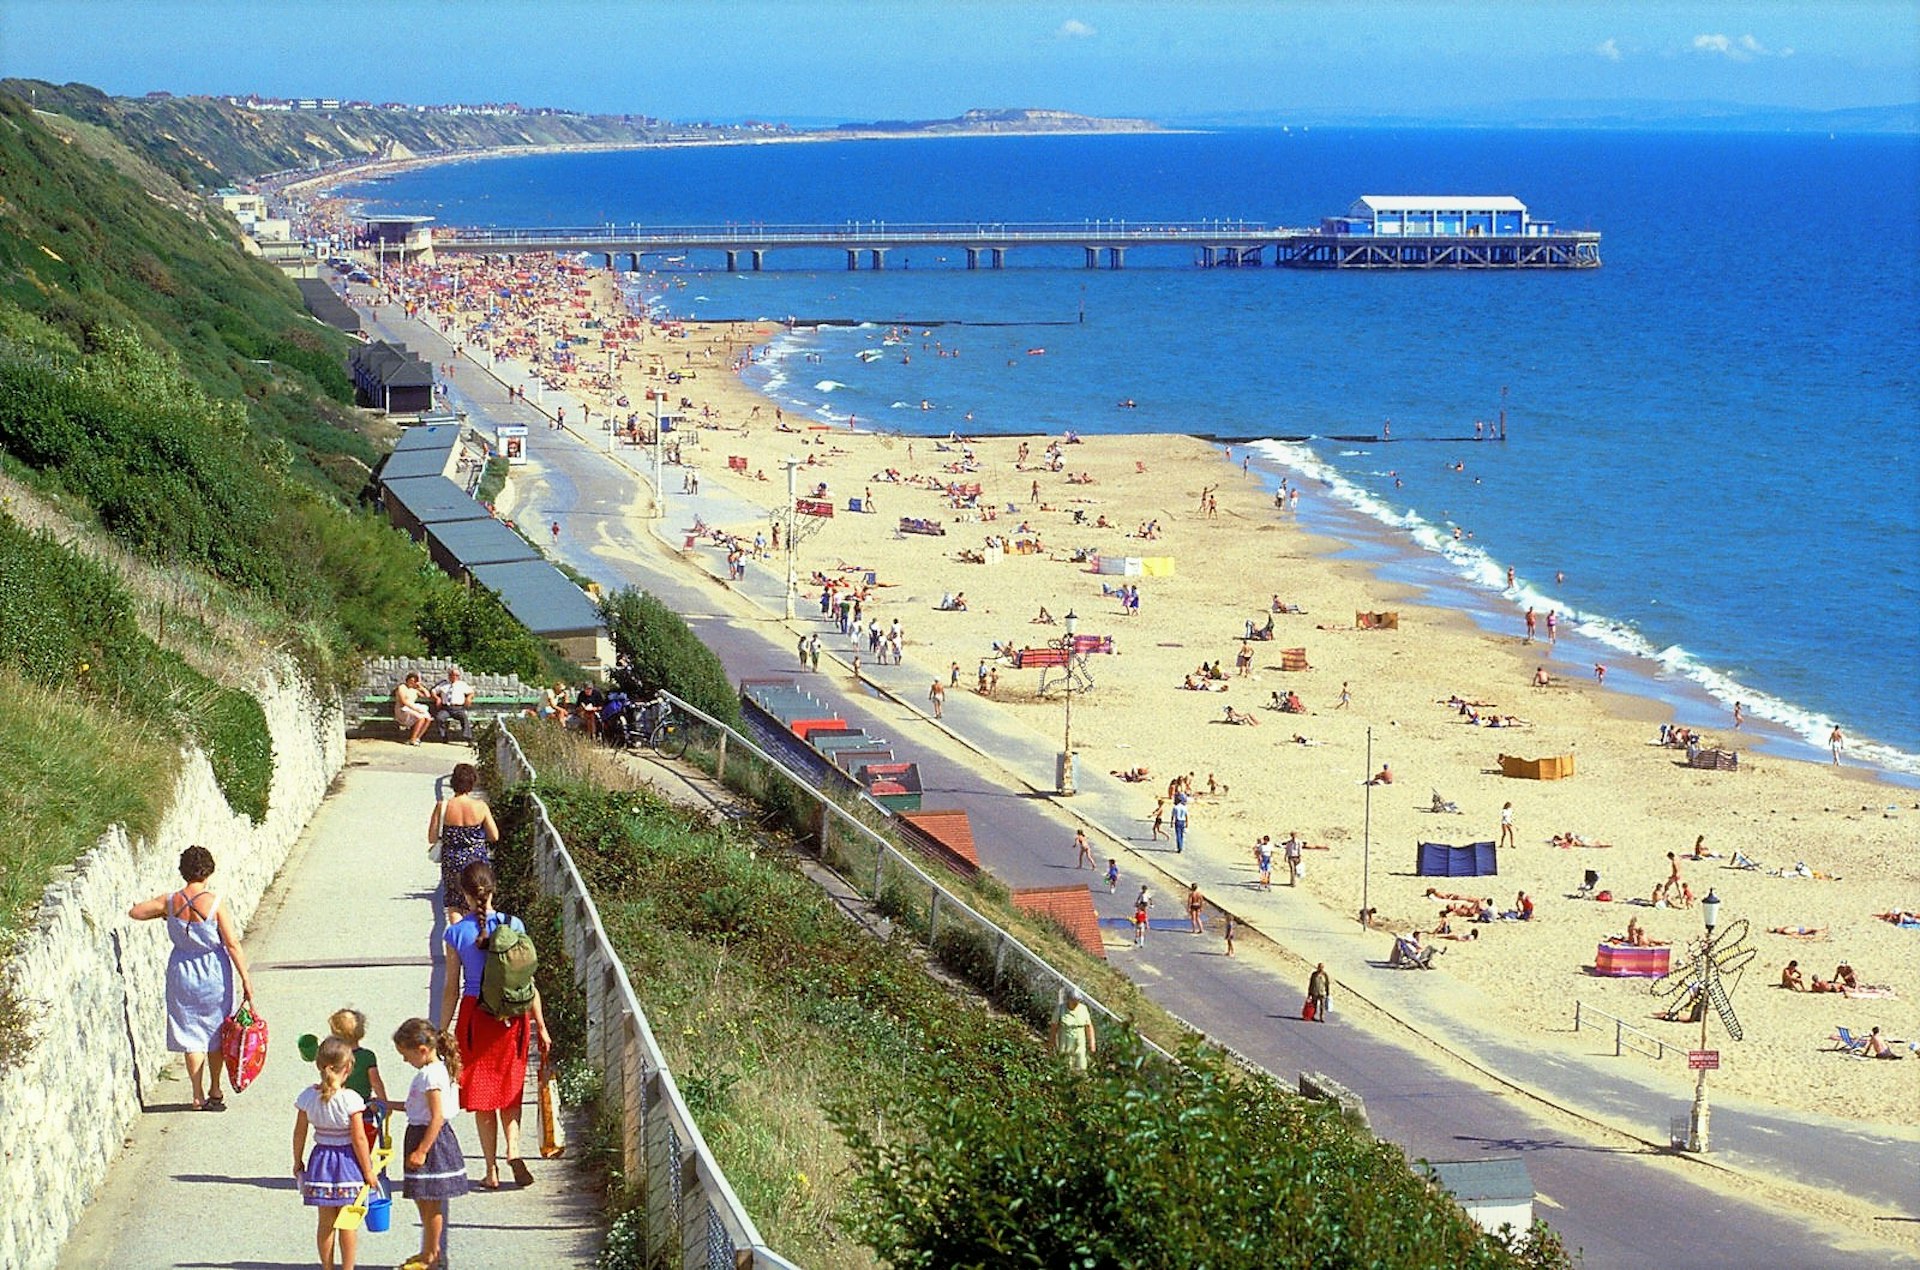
[
  {"x": 693, "y": 1209},
  {"x": 1621, "y": 1031},
  {"x": 1004, "y": 940}
]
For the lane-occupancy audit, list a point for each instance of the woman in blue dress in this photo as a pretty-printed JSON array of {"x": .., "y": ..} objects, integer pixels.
[{"x": 200, "y": 972}]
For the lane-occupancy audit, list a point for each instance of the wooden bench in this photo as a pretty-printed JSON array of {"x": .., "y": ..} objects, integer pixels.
[{"x": 1028, "y": 658}]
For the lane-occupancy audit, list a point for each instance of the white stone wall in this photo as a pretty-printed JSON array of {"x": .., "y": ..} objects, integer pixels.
[{"x": 97, "y": 981}]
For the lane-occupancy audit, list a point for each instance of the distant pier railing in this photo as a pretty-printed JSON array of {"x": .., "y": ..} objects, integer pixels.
[{"x": 1224, "y": 243}]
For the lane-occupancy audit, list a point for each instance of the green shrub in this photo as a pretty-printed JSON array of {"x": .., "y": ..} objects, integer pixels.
[
  {"x": 470, "y": 625},
  {"x": 665, "y": 653}
]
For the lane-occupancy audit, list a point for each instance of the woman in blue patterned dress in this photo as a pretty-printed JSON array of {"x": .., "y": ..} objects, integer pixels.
[
  {"x": 462, "y": 827},
  {"x": 200, "y": 972}
]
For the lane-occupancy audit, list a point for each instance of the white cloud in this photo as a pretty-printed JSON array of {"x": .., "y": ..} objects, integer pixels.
[
  {"x": 1743, "y": 49},
  {"x": 1608, "y": 48},
  {"x": 1074, "y": 29}
]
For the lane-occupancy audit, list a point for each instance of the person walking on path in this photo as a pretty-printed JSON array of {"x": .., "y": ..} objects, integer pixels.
[
  {"x": 1142, "y": 907},
  {"x": 463, "y": 830},
  {"x": 1291, "y": 851},
  {"x": 1113, "y": 875},
  {"x": 1179, "y": 823},
  {"x": 1196, "y": 909},
  {"x": 1083, "y": 858},
  {"x": 331, "y": 1176},
  {"x": 1159, "y": 819},
  {"x": 938, "y": 696},
  {"x": 1319, "y": 992},
  {"x": 813, "y": 652},
  {"x": 1231, "y": 925},
  {"x": 1506, "y": 825},
  {"x": 801, "y": 648},
  {"x": 201, "y": 969},
  {"x": 1073, "y": 1031},
  {"x": 493, "y": 1051},
  {"x": 436, "y": 1170},
  {"x": 1263, "y": 859}
]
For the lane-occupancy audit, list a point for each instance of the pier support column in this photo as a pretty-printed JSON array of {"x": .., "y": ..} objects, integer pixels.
[
  {"x": 1208, "y": 257},
  {"x": 1116, "y": 257},
  {"x": 733, "y": 262},
  {"x": 758, "y": 259},
  {"x": 997, "y": 257},
  {"x": 879, "y": 255},
  {"x": 973, "y": 257},
  {"x": 853, "y": 259},
  {"x": 1093, "y": 257},
  {"x": 1251, "y": 256}
]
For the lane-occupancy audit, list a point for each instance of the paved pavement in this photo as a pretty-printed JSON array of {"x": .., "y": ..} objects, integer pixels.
[
  {"x": 1608, "y": 1192},
  {"x": 350, "y": 921}
]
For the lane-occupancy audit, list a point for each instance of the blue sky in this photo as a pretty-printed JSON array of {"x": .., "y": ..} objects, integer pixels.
[{"x": 851, "y": 59}]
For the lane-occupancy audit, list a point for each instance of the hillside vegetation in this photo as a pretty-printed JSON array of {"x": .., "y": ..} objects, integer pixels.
[
  {"x": 205, "y": 142},
  {"x": 182, "y": 473}
]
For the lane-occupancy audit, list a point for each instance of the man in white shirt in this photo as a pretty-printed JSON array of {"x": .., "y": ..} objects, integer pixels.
[{"x": 451, "y": 697}]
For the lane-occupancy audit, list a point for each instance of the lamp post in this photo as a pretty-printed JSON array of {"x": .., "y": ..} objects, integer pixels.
[
  {"x": 613, "y": 420},
  {"x": 1697, "y": 1125},
  {"x": 1065, "y": 775},
  {"x": 659, "y": 459},
  {"x": 793, "y": 470},
  {"x": 1366, "y": 836}
]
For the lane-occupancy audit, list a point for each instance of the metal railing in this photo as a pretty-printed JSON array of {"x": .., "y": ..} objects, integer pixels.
[
  {"x": 882, "y": 878},
  {"x": 1625, "y": 1035},
  {"x": 693, "y": 1218}
]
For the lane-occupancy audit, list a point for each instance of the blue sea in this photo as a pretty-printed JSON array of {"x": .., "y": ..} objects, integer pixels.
[{"x": 1711, "y": 438}]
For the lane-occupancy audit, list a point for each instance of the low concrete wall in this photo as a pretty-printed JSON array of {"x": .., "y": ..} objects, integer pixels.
[{"x": 97, "y": 981}]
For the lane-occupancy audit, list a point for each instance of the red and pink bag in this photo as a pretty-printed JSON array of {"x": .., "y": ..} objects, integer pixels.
[{"x": 243, "y": 1043}]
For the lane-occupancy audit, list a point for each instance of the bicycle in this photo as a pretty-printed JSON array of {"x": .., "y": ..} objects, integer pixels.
[{"x": 667, "y": 734}]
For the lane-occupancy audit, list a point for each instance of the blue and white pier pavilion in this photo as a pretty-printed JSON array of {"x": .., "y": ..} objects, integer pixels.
[{"x": 1429, "y": 231}]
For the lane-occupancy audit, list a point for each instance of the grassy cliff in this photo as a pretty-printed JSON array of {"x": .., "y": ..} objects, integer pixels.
[{"x": 206, "y": 142}]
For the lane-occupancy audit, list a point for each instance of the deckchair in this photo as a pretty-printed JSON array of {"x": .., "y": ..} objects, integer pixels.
[
  {"x": 1845, "y": 1042},
  {"x": 1407, "y": 957}
]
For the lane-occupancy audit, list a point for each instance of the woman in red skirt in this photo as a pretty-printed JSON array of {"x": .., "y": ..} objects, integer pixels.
[{"x": 493, "y": 1052}]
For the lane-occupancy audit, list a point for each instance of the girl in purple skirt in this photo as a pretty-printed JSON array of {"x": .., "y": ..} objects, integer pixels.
[
  {"x": 436, "y": 1168},
  {"x": 331, "y": 1177}
]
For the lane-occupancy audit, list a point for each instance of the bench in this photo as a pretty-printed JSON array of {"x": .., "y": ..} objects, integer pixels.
[
  {"x": 1027, "y": 658},
  {"x": 368, "y": 713}
]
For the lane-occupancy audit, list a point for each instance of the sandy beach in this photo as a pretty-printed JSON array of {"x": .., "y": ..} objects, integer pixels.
[{"x": 1232, "y": 552}]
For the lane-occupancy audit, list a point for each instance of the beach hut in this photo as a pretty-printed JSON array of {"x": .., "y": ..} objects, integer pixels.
[
  {"x": 895, "y": 786},
  {"x": 1494, "y": 1193},
  {"x": 1553, "y": 768},
  {"x": 1474, "y": 860}
]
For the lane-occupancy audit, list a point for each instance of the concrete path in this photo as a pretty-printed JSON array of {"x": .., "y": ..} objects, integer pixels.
[
  {"x": 350, "y": 921},
  {"x": 1600, "y": 1184}
]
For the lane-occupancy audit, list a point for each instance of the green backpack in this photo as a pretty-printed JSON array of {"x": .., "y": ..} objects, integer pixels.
[{"x": 506, "y": 977}]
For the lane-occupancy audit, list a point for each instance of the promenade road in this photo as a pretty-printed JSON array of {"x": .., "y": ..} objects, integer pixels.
[
  {"x": 1609, "y": 1193},
  {"x": 350, "y": 921}
]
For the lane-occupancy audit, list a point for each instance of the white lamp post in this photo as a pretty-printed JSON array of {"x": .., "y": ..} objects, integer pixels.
[
  {"x": 1065, "y": 775},
  {"x": 1697, "y": 1128},
  {"x": 793, "y": 469}
]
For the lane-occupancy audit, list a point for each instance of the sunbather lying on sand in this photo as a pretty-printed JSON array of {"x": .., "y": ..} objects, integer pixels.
[
  {"x": 1900, "y": 917},
  {"x": 1239, "y": 717},
  {"x": 1445, "y": 929},
  {"x": 1449, "y": 895},
  {"x": 1571, "y": 839},
  {"x": 1131, "y": 774},
  {"x": 1799, "y": 932},
  {"x": 1800, "y": 870},
  {"x": 1301, "y": 740}
]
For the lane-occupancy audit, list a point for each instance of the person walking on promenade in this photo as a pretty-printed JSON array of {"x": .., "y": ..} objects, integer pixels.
[
  {"x": 1142, "y": 907},
  {"x": 813, "y": 652},
  {"x": 1319, "y": 992},
  {"x": 331, "y": 1176},
  {"x": 1159, "y": 819},
  {"x": 1073, "y": 1035},
  {"x": 1113, "y": 875},
  {"x": 1232, "y": 924},
  {"x": 493, "y": 1050},
  {"x": 1506, "y": 824},
  {"x": 1290, "y": 850},
  {"x": 436, "y": 1170},
  {"x": 463, "y": 830},
  {"x": 1196, "y": 909},
  {"x": 201, "y": 969},
  {"x": 1180, "y": 823},
  {"x": 1263, "y": 858},
  {"x": 938, "y": 696},
  {"x": 1083, "y": 858}
]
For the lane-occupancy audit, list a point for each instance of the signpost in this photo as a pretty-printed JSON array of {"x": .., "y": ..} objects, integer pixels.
[{"x": 1703, "y": 1060}]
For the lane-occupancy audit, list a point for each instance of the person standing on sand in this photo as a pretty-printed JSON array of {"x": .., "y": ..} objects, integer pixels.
[
  {"x": 1739, "y": 708},
  {"x": 1320, "y": 992},
  {"x": 1553, "y": 627},
  {"x": 1506, "y": 825},
  {"x": 1530, "y": 617},
  {"x": 1836, "y": 742},
  {"x": 1346, "y": 696},
  {"x": 1600, "y": 674}
]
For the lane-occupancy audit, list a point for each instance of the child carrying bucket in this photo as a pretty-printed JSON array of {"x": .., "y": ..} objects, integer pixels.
[
  {"x": 332, "y": 1176},
  {"x": 436, "y": 1170}
]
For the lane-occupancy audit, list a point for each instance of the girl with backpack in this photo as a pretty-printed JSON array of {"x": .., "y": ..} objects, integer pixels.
[{"x": 495, "y": 1008}]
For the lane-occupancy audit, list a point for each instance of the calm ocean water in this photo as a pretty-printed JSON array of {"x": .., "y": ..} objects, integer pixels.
[{"x": 1712, "y": 436}]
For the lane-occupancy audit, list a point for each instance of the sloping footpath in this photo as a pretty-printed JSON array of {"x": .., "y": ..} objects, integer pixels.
[
  {"x": 1616, "y": 1196},
  {"x": 350, "y": 921}
]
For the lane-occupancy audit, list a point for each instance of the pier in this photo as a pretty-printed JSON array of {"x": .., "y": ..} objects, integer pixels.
[{"x": 1096, "y": 244}]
